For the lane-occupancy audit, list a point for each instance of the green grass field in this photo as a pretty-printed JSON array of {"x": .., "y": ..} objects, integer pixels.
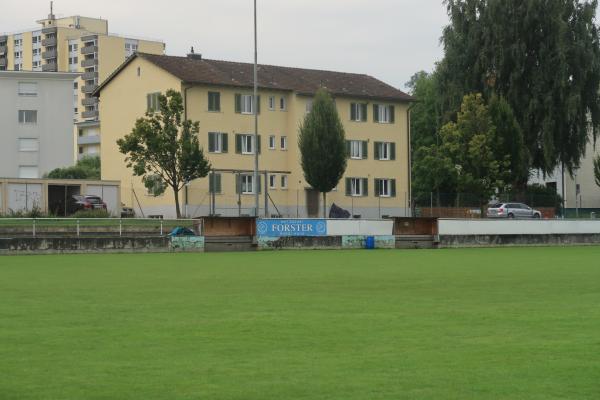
[{"x": 446, "y": 324}]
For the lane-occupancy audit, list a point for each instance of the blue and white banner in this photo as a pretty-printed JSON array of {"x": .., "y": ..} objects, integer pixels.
[{"x": 291, "y": 227}]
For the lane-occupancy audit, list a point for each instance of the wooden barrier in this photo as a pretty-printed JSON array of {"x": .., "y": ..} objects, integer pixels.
[
  {"x": 229, "y": 226},
  {"x": 415, "y": 226}
]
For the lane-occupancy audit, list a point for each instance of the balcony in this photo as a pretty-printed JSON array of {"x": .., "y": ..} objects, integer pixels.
[
  {"x": 89, "y": 101},
  {"x": 49, "y": 41},
  {"x": 83, "y": 140},
  {"x": 49, "y": 30},
  {"x": 89, "y": 114},
  {"x": 89, "y": 76},
  {"x": 50, "y": 67},
  {"x": 88, "y": 88},
  {"x": 2, "y": 50},
  {"x": 49, "y": 55},
  {"x": 89, "y": 50},
  {"x": 2, "y": 62},
  {"x": 3, "y": 38},
  {"x": 89, "y": 38},
  {"x": 90, "y": 62}
]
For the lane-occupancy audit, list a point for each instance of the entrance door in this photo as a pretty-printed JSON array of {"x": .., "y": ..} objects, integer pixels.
[{"x": 312, "y": 203}]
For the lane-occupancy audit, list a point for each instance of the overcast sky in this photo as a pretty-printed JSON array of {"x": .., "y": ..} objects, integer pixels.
[{"x": 389, "y": 39}]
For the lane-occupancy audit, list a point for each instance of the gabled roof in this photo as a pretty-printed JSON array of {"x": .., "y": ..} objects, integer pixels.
[{"x": 194, "y": 70}]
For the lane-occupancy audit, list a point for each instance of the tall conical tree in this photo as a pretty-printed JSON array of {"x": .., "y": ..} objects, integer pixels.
[{"x": 322, "y": 144}]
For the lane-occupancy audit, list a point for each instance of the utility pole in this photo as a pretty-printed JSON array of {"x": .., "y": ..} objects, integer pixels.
[{"x": 255, "y": 109}]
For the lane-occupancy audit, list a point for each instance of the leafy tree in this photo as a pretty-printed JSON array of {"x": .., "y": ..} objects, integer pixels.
[
  {"x": 86, "y": 168},
  {"x": 425, "y": 118},
  {"x": 597, "y": 170},
  {"x": 163, "y": 148},
  {"x": 545, "y": 64},
  {"x": 470, "y": 145},
  {"x": 322, "y": 144}
]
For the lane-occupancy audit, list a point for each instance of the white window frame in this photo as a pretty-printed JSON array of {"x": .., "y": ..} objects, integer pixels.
[
  {"x": 385, "y": 188},
  {"x": 248, "y": 144},
  {"x": 272, "y": 142},
  {"x": 384, "y": 114},
  {"x": 247, "y": 105},
  {"x": 246, "y": 182},
  {"x": 356, "y": 148},
  {"x": 18, "y": 54},
  {"x": 358, "y": 117},
  {"x": 29, "y": 144},
  {"x": 283, "y": 142},
  {"x": 28, "y": 89},
  {"x": 272, "y": 181},
  {"x": 218, "y": 142},
  {"x": 23, "y": 117},
  {"x": 272, "y": 103},
  {"x": 385, "y": 151},
  {"x": 284, "y": 182},
  {"x": 356, "y": 187},
  {"x": 282, "y": 104}
]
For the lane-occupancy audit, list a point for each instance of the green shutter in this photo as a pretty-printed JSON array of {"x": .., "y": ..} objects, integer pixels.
[
  {"x": 348, "y": 148},
  {"x": 376, "y": 150},
  {"x": 363, "y": 107},
  {"x": 365, "y": 187},
  {"x": 259, "y": 183},
  {"x": 211, "y": 182},
  {"x": 238, "y": 103},
  {"x": 148, "y": 102},
  {"x": 258, "y": 146},
  {"x": 392, "y": 117},
  {"x": 348, "y": 187},
  {"x": 392, "y": 151},
  {"x": 365, "y": 150},
  {"x": 393, "y": 188},
  {"x": 211, "y": 142},
  {"x": 225, "y": 144},
  {"x": 238, "y": 144},
  {"x": 375, "y": 112},
  {"x": 377, "y": 187},
  {"x": 217, "y": 97},
  {"x": 258, "y": 104},
  {"x": 353, "y": 111},
  {"x": 238, "y": 184}
]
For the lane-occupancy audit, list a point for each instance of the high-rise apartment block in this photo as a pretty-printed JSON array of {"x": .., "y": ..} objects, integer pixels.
[{"x": 74, "y": 44}]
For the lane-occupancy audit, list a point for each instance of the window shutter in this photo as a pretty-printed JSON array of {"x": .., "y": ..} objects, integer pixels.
[
  {"x": 348, "y": 187},
  {"x": 219, "y": 183},
  {"x": 238, "y": 184},
  {"x": 392, "y": 151},
  {"x": 352, "y": 111},
  {"x": 238, "y": 144},
  {"x": 363, "y": 108},
  {"x": 259, "y": 183},
  {"x": 377, "y": 187},
  {"x": 258, "y": 146},
  {"x": 365, "y": 150},
  {"x": 148, "y": 104},
  {"x": 376, "y": 150},
  {"x": 217, "y": 96},
  {"x": 211, "y": 182},
  {"x": 225, "y": 145},
  {"x": 258, "y": 104},
  {"x": 238, "y": 103},
  {"x": 375, "y": 112},
  {"x": 392, "y": 117},
  {"x": 348, "y": 148},
  {"x": 211, "y": 142},
  {"x": 365, "y": 187},
  {"x": 393, "y": 187}
]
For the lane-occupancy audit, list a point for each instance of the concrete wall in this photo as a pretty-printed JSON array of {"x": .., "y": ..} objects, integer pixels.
[
  {"x": 516, "y": 227},
  {"x": 337, "y": 227}
]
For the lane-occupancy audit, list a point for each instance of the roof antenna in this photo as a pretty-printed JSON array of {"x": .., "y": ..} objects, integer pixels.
[
  {"x": 193, "y": 55},
  {"x": 51, "y": 16},
  {"x": 192, "y": 50}
]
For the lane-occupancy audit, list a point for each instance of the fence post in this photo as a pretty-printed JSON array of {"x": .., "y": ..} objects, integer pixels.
[
  {"x": 161, "y": 227},
  {"x": 34, "y": 227},
  {"x": 77, "y": 228},
  {"x": 120, "y": 227}
]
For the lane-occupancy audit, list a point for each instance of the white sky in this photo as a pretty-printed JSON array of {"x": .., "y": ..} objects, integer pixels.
[{"x": 389, "y": 39}]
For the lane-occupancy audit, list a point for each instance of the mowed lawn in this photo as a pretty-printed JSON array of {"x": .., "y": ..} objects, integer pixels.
[{"x": 448, "y": 324}]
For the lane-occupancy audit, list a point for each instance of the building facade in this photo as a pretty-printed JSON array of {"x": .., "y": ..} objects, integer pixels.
[
  {"x": 37, "y": 122},
  {"x": 74, "y": 44},
  {"x": 219, "y": 95}
]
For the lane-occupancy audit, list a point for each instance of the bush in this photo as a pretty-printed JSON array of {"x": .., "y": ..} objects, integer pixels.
[{"x": 91, "y": 214}]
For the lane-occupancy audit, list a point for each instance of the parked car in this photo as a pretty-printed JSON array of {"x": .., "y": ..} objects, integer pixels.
[
  {"x": 512, "y": 210},
  {"x": 85, "y": 203}
]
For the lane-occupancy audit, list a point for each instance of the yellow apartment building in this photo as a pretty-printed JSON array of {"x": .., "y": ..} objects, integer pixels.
[
  {"x": 218, "y": 94},
  {"x": 74, "y": 44}
]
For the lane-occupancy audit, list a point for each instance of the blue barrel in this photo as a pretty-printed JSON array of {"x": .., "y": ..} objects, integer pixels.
[{"x": 370, "y": 243}]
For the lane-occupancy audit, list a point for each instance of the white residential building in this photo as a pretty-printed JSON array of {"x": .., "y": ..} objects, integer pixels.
[{"x": 36, "y": 110}]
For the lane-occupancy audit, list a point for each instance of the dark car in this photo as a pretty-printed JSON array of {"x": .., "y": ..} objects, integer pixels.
[{"x": 85, "y": 203}]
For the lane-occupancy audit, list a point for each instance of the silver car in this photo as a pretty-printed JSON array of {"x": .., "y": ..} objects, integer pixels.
[{"x": 512, "y": 210}]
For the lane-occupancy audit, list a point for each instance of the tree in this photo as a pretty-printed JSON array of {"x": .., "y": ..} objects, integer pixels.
[
  {"x": 597, "y": 170},
  {"x": 545, "y": 64},
  {"x": 86, "y": 168},
  {"x": 163, "y": 148},
  {"x": 322, "y": 144},
  {"x": 470, "y": 145}
]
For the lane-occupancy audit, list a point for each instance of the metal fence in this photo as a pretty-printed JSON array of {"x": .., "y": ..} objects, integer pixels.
[{"x": 78, "y": 227}]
